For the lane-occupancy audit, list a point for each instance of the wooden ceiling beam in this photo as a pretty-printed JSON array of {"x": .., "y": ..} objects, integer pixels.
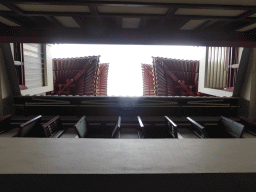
[
  {"x": 242, "y": 25},
  {"x": 161, "y": 16},
  {"x": 79, "y": 21},
  {"x": 130, "y": 15},
  {"x": 206, "y": 17},
  {"x": 169, "y": 13},
  {"x": 94, "y": 10},
  {"x": 54, "y": 21},
  {"x": 44, "y": 13},
  {"x": 14, "y": 8},
  {"x": 14, "y": 20},
  {"x": 18, "y": 11},
  {"x": 134, "y": 4},
  {"x": 205, "y": 25},
  {"x": 143, "y": 23},
  {"x": 132, "y": 36},
  {"x": 244, "y": 16}
]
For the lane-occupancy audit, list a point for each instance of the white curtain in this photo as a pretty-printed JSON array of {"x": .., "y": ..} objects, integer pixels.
[{"x": 217, "y": 59}]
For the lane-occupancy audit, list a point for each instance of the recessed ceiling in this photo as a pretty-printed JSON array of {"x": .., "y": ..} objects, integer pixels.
[
  {"x": 254, "y": 15},
  {"x": 142, "y": 10},
  {"x": 209, "y": 2},
  {"x": 8, "y": 22},
  {"x": 192, "y": 24},
  {"x": 3, "y": 8},
  {"x": 217, "y": 21},
  {"x": 67, "y": 21},
  {"x": 249, "y": 27},
  {"x": 131, "y": 23},
  {"x": 209, "y": 12},
  {"x": 54, "y": 8}
]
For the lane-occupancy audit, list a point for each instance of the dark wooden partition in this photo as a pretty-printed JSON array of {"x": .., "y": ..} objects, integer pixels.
[{"x": 126, "y": 106}]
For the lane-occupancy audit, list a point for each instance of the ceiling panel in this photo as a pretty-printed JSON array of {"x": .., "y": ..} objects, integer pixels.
[
  {"x": 67, "y": 21},
  {"x": 192, "y": 24},
  {"x": 209, "y": 12},
  {"x": 131, "y": 23},
  {"x": 142, "y": 10},
  {"x": 254, "y": 15},
  {"x": 247, "y": 28},
  {"x": 214, "y": 2},
  {"x": 8, "y": 22},
  {"x": 54, "y": 8},
  {"x": 3, "y": 8}
]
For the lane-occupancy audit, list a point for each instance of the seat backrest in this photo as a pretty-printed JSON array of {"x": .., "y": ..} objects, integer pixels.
[
  {"x": 5, "y": 122},
  {"x": 117, "y": 128},
  {"x": 171, "y": 127},
  {"x": 82, "y": 127},
  {"x": 31, "y": 128},
  {"x": 52, "y": 126},
  {"x": 198, "y": 129},
  {"x": 249, "y": 125},
  {"x": 233, "y": 128}
]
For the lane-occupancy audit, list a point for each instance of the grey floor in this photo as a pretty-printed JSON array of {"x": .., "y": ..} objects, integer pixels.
[
  {"x": 129, "y": 133},
  {"x": 48, "y": 155},
  {"x": 187, "y": 133}
]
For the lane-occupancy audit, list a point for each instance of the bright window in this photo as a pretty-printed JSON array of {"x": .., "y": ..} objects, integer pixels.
[{"x": 125, "y": 76}]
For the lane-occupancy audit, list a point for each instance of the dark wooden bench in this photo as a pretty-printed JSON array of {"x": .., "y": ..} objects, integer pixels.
[
  {"x": 31, "y": 128},
  {"x": 172, "y": 128},
  {"x": 157, "y": 129},
  {"x": 249, "y": 125},
  {"x": 53, "y": 128},
  {"x": 141, "y": 131},
  {"x": 116, "y": 130},
  {"x": 82, "y": 127},
  {"x": 226, "y": 128},
  {"x": 5, "y": 123},
  {"x": 198, "y": 129}
]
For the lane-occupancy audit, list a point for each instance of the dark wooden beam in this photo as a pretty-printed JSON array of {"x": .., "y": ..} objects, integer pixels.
[
  {"x": 79, "y": 21},
  {"x": 164, "y": 17},
  {"x": 242, "y": 25},
  {"x": 244, "y": 16},
  {"x": 204, "y": 17},
  {"x": 222, "y": 27},
  {"x": 13, "y": 8},
  {"x": 143, "y": 23},
  {"x": 18, "y": 11},
  {"x": 182, "y": 23},
  {"x": 14, "y": 20},
  {"x": 169, "y": 13},
  {"x": 134, "y": 4},
  {"x": 43, "y": 13},
  {"x": 54, "y": 21},
  {"x": 94, "y": 10},
  {"x": 119, "y": 21},
  {"x": 205, "y": 25},
  {"x": 251, "y": 31},
  {"x": 130, "y": 15},
  {"x": 139, "y": 36}
]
